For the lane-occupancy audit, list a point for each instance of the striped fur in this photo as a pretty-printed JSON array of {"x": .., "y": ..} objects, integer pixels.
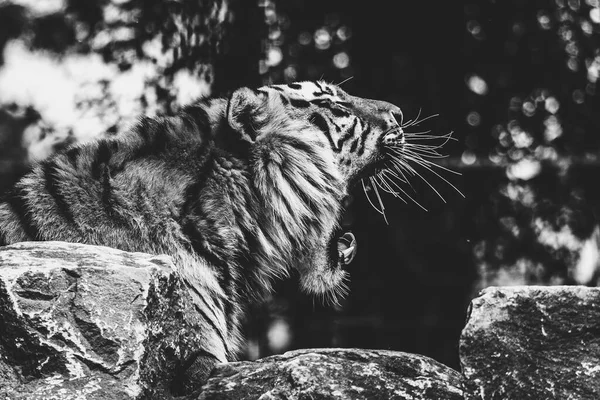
[{"x": 239, "y": 191}]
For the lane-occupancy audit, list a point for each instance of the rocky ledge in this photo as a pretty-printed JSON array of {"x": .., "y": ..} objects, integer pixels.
[{"x": 88, "y": 322}]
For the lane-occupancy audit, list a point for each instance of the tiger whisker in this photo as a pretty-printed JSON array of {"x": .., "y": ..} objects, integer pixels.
[
  {"x": 383, "y": 185},
  {"x": 426, "y": 151},
  {"x": 430, "y": 163},
  {"x": 403, "y": 165},
  {"x": 428, "y": 147},
  {"x": 448, "y": 138},
  {"x": 386, "y": 182},
  {"x": 385, "y": 173},
  {"x": 417, "y": 121},
  {"x": 391, "y": 181},
  {"x": 402, "y": 179},
  {"x": 417, "y": 153},
  {"x": 418, "y": 156},
  {"x": 362, "y": 181},
  {"x": 419, "y": 136},
  {"x": 410, "y": 121},
  {"x": 345, "y": 80},
  {"x": 425, "y": 156},
  {"x": 416, "y": 136},
  {"x": 415, "y": 172},
  {"x": 400, "y": 166},
  {"x": 430, "y": 155},
  {"x": 418, "y": 133},
  {"x": 374, "y": 185},
  {"x": 424, "y": 164},
  {"x": 369, "y": 198}
]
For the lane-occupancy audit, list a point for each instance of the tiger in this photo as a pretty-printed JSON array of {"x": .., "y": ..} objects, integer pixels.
[{"x": 240, "y": 190}]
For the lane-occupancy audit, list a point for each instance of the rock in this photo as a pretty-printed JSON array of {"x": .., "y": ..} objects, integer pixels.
[
  {"x": 533, "y": 342},
  {"x": 335, "y": 374},
  {"x": 90, "y": 322}
]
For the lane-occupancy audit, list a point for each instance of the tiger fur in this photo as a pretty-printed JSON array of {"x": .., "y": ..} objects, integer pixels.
[{"x": 239, "y": 191}]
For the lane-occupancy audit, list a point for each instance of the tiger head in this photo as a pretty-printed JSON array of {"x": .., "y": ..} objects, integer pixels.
[{"x": 308, "y": 144}]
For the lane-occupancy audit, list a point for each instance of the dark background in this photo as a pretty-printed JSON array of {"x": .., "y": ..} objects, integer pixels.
[{"x": 514, "y": 80}]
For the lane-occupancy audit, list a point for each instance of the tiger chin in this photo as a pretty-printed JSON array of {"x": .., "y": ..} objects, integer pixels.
[{"x": 239, "y": 191}]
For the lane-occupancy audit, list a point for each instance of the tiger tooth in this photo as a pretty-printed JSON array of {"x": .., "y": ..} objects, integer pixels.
[
  {"x": 347, "y": 248},
  {"x": 348, "y": 252}
]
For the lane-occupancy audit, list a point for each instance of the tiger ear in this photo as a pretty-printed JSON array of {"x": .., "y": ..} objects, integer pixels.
[{"x": 243, "y": 107}]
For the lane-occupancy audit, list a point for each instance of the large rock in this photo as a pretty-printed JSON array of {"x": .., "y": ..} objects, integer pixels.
[
  {"x": 92, "y": 322},
  {"x": 533, "y": 342},
  {"x": 335, "y": 374}
]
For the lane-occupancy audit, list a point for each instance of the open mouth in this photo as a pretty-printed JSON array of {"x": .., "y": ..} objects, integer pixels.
[
  {"x": 343, "y": 244},
  {"x": 342, "y": 249},
  {"x": 346, "y": 247}
]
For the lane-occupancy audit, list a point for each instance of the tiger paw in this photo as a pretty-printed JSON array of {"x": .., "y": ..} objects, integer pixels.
[{"x": 347, "y": 246}]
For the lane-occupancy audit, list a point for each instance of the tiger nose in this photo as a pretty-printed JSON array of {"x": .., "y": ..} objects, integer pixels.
[
  {"x": 397, "y": 116},
  {"x": 395, "y": 137},
  {"x": 389, "y": 112}
]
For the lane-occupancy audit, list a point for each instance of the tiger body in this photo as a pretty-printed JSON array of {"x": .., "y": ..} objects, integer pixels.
[{"x": 238, "y": 191}]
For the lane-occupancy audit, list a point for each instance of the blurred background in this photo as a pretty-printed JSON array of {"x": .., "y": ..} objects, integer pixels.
[{"x": 513, "y": 80}]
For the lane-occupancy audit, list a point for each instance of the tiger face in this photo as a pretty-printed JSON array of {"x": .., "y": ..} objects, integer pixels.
[
  {"x": 350, "y": 138},
  {"x": 359, "y": 131}
]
